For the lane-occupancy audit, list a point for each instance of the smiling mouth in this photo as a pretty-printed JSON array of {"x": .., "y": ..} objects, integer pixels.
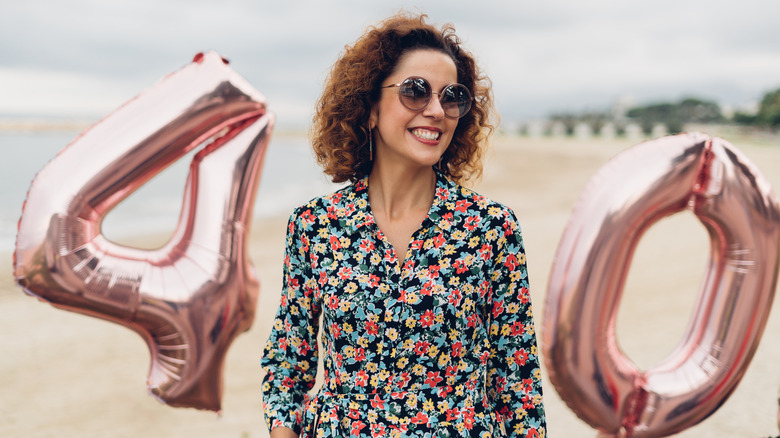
[{"x": 426, "y": 134}]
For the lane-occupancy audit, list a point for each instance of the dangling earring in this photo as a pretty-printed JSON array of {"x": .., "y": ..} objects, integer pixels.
[
  {"x": 370, "y": 146},
  {"x": 439, "y": 164}
]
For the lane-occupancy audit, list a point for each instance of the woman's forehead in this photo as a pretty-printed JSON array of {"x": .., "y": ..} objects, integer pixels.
[{"x": 433, "y": 65}]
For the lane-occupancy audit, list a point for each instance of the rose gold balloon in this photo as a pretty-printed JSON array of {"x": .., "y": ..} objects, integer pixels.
[
  {"x": 190, "y": 298},
  {"x": 635, "y": 189}
]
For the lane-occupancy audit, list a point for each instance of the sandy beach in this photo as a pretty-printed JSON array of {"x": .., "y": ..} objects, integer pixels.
[{"x": 67, "y": 375}]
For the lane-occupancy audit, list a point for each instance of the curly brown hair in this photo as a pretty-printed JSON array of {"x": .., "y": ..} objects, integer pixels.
[{"x": 340, "y": 131}]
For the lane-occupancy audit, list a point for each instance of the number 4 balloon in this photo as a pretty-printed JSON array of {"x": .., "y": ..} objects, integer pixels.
[{"x": 190, "y": 298}]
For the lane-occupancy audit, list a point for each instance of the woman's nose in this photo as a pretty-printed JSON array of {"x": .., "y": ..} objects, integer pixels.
[{"x": 434, "y": 108}]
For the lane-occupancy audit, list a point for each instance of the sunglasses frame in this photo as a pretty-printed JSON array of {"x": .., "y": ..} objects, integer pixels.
[{"x": 430, "y": 96}]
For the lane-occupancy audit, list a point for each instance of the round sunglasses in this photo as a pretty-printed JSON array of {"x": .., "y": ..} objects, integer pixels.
[{"x": 415, "y": 94}]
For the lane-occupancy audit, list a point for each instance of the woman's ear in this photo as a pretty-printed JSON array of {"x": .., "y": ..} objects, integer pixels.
[{"x": 373, "y": 117}]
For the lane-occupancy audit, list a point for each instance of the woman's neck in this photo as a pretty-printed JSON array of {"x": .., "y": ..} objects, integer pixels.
[
  {"x": 396, "y": 192},
  {"x": 400, "y": 202}
]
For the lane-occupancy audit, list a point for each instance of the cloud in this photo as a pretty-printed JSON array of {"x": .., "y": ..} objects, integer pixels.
[
  {"x": 57, "y": 93},
  {"x": 542, "y": 56}
]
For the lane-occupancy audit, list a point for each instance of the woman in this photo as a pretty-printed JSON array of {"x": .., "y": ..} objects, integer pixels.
[{"x": 421, "y": 284}]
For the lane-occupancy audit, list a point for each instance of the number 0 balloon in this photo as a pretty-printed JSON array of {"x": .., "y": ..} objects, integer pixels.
[
  {"x": 190, "y": 298},
  {"x": 635, "y": 189}
]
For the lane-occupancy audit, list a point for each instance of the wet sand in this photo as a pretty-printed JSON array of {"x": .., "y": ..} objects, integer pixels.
[{"x": 67, "y": 375}]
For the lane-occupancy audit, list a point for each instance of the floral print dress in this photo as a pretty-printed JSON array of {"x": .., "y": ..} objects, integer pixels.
[{"x": 441, "y": 345}]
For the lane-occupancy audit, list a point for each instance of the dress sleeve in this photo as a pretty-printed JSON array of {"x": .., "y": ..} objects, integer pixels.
[
  {"x": 514, "y": 377},
  {"x": 290, "y": 355}
]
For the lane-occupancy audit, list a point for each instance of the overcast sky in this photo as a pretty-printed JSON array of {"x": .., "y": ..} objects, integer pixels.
[{"x": 86, "y": 57}]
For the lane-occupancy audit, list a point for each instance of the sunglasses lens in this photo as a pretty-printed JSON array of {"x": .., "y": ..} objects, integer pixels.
[
  {"x": 456, "y": 100},
  {"x": 415, "y": 93}
]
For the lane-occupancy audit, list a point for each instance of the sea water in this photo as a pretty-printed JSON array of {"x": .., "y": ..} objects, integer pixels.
[{"x": 289, "y": 178}]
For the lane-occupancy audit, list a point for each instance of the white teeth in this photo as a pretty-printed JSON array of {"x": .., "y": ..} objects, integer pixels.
[{"x": 426, "y": 134}]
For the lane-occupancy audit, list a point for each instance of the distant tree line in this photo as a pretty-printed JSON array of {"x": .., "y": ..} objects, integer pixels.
[
  {"x": 675, "y": 115},
  {"x": 768, "y": 114},
  {"x": 595, "y": 119}
]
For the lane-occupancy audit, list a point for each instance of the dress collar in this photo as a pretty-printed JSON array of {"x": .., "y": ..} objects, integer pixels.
[{"x": 441, "y": 214}]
